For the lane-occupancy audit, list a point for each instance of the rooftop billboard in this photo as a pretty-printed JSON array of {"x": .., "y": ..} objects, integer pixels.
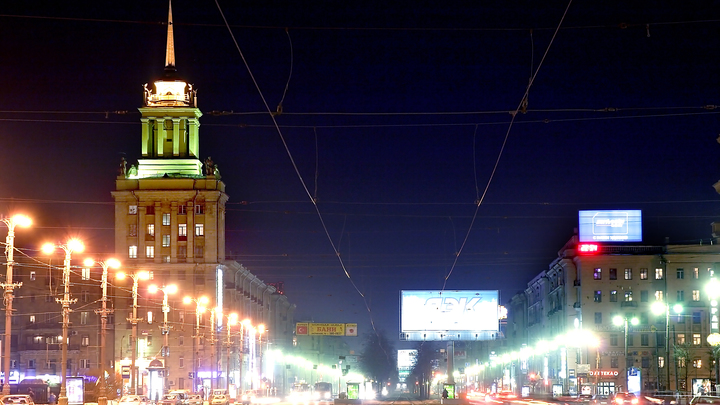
[
  {"x": 448, "y": 315},
  {"x": 610, "y": 226}
]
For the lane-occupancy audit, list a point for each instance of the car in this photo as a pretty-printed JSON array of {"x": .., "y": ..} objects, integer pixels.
[
  {"x": 220, "y": 400},
  {"x": 705, "y": 399},
  {"x": 600, "y": 400},
  {"x": 248, "y": 397},
  {"x": 16, "y": 399},
  {"x": 134, "y": 400},
  {"x": 625, "y": 398},
  {"x": 584, "y": 398},
  {"x": 195, "y": 399},
  {"x": 172, "y": 399}
]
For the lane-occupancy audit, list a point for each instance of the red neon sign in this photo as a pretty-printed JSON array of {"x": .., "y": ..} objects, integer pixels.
[{"x": 588, "y": 248}]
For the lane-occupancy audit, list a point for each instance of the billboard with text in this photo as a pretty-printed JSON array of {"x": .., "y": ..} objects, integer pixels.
[
  {"x": 610, "y": 226},
  {"x": 449, "y": 315},
  {"x": 326, "y": 329}
]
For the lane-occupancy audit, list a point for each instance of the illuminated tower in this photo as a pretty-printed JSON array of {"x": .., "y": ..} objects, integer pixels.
[{"x": 170, "y": 222}]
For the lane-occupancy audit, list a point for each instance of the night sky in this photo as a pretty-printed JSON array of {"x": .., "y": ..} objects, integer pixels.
[{"x": 398, "y": 118}]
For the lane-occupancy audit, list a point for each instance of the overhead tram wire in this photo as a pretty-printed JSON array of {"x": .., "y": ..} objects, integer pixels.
[
  {"x": 502, "y": 148},
  {"x": 622, "y": 25},
  {"x": 297, "y": 171}
]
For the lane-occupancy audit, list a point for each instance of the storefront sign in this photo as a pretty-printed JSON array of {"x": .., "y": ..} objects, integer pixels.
[{"x": 604, "y": 373}]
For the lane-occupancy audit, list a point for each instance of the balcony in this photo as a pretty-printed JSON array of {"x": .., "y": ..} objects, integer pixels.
[{"x": 629, "y": 304}]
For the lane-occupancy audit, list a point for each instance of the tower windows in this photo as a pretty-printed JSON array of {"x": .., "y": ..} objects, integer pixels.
[{"x": 132, "y": 251}]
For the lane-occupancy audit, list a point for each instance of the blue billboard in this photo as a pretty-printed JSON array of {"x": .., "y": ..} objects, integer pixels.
[{"x": 610, "y": 226}]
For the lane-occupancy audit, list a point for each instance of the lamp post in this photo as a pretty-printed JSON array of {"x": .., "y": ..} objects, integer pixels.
[
  {"x": 9, "y": 286},
  {"x": 619, "y": 320},
  {"x": 199, "y": 309},
  {"x": 213, "y": 364},
  {"x": 164, "y": 329},
  {"x": 103, "y": 311},
  {"x": 232, "y": 320},
  {"x": 261, "y": 329},
  {"x": 73, "y": 245},
  {"x": 713, "y": 291},
  {"x": 246, "y": 323},
  {"x": 136, "y": 277},
  {"x": 660, "y": 308}
]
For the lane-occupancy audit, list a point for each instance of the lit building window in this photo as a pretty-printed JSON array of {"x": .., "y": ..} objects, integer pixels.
[
  {"x": 166, "y": 259},
  {"x": 85, "y": 274},
  {"x": 132, "y": 209},
  {"x": 182, "y": 230},
  {"x": 85, "y": 340},
  {"x": 597, "y": 274},
  {"x": 643, "y": 274},
  {"x": 32, "y": 276},
  {"x": 598, "y": 296},
  {"x": 696, "y": 273},
  {"x": 132, "y": 252},
  {"x": 628, "y": 274},
  {"x": 150, "y": 251},
  {"x": 697, "y": 363},
  {"x": 32, "y": 318},
  {"x": 661, "y": 362},
  {"x": 166, "y": 219},
  {"x": 658, "y": 274},
  {"x": 84, "y": 315},
  {"x": 166, "y": 240},
  {"x": 199, "y": 229},
  {"x": 697, "y": 340},
  {"x": 680, "y": 338},
  {"x": 658, "y": 295},
  {"x": 628, "y": 296},
  {"x": 151, "y": 229},
  {"x": 696, "y": 295}
]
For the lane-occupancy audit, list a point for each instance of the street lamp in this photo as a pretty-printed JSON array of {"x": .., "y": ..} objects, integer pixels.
[
  {"x": 200, "y": 304},
  {"x": 619, "y": 320},
  {"x": 660, "y": 308},
  {"x": 9, "y": 286},
  {"x": 165, "y": 329},
  {"x": 73, "y": 245},
  {"x": 141, "y": 275},
  {"x": 232, "y": 320},
  {"x": 103, "y": 311}
]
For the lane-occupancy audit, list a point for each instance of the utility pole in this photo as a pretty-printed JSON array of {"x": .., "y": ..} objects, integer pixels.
[{"x": 9, "y": 286}]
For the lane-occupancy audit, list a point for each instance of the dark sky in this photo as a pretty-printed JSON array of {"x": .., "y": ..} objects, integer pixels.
[{"x": 395, "y": 115}]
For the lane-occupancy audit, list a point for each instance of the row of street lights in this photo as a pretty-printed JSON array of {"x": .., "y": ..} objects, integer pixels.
[{"x": 76, "y": 246}]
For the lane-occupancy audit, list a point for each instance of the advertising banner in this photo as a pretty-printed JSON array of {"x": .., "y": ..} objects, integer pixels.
[
  {"x": 326, "y": 329},
  {"x": 610, "y": 226},
  {"x": 456, "y": 315}
]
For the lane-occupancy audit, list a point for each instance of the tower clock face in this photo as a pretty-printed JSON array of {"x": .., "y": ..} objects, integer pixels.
[{"x": 132, "y": 209}]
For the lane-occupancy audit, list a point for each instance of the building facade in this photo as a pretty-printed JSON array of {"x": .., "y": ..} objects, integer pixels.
[
  {"x": 169, "y": 212},
  {"x": 618, "y": 306}
]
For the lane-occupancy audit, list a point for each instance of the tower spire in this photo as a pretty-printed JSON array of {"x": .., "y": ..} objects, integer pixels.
[{"x": 170, "y": 48}]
